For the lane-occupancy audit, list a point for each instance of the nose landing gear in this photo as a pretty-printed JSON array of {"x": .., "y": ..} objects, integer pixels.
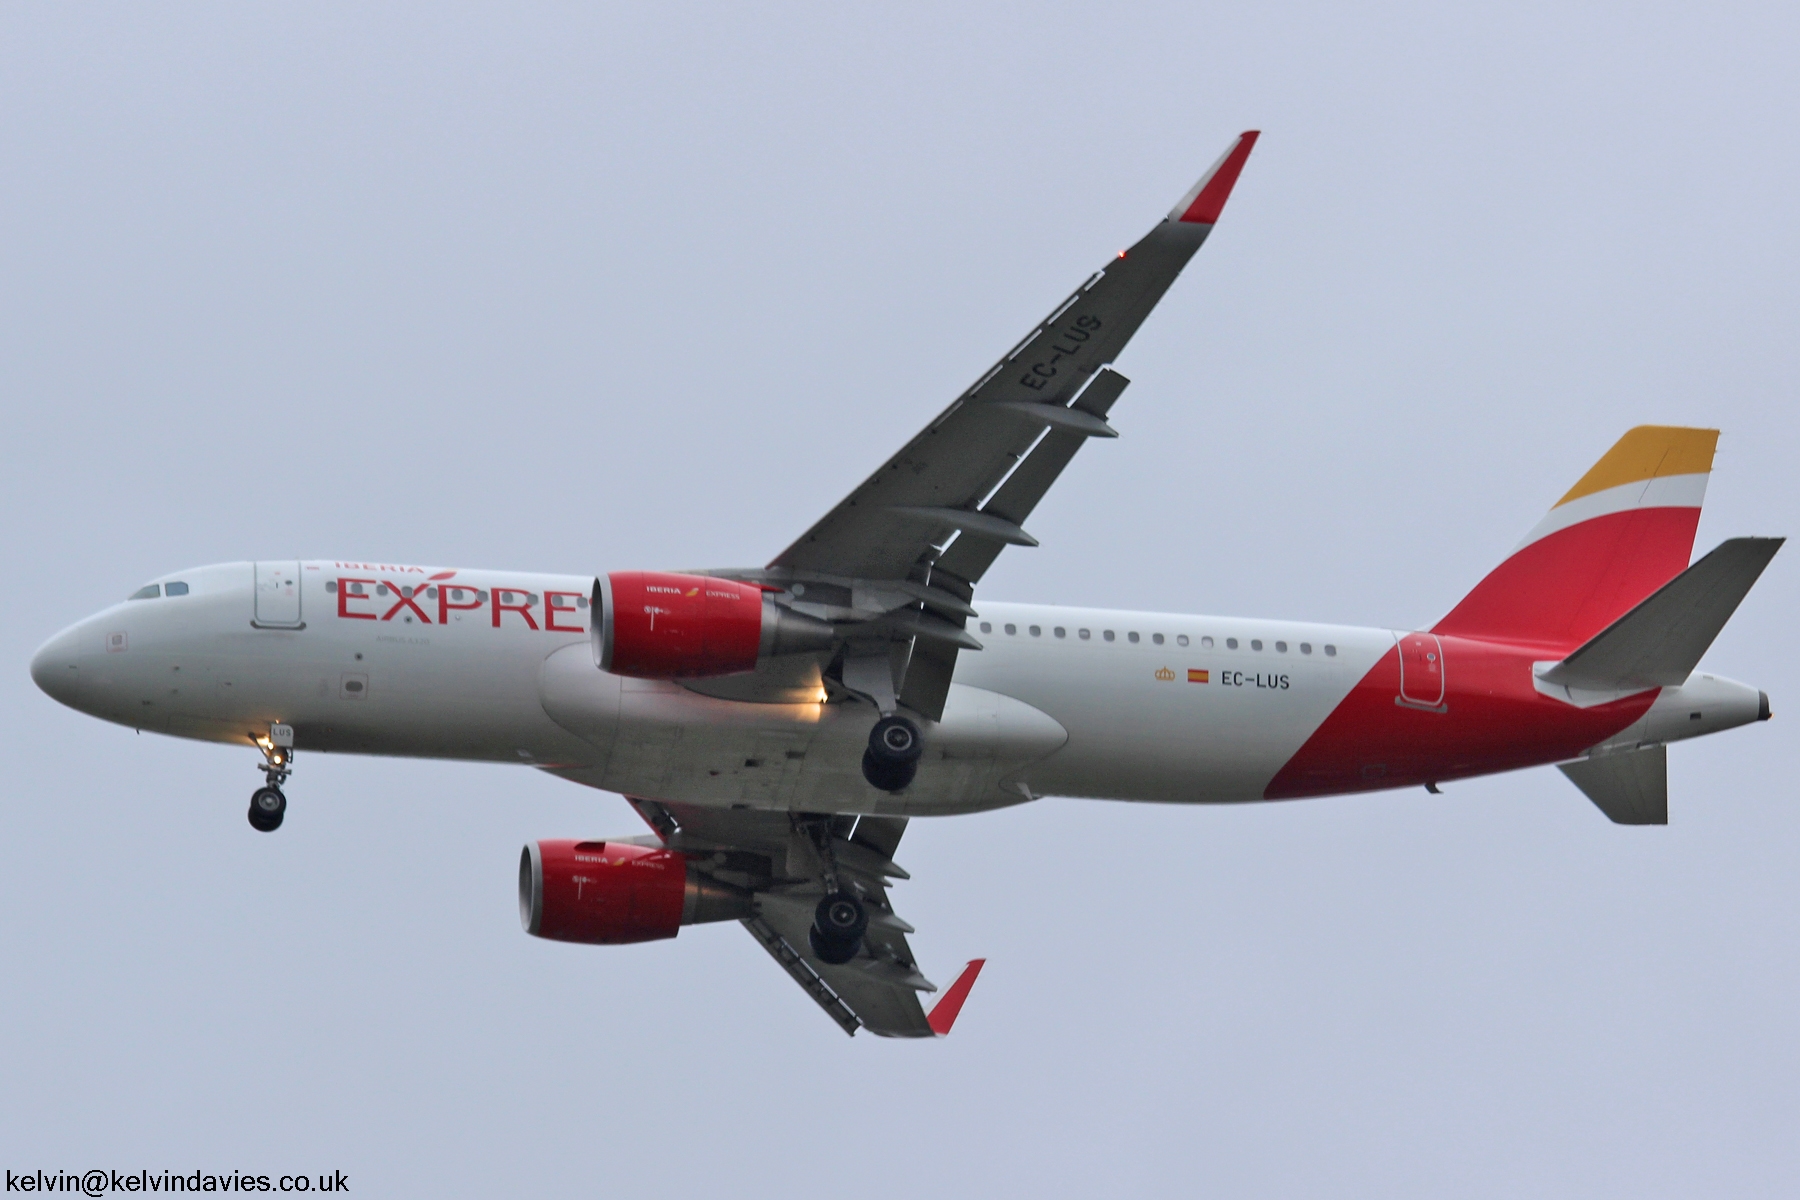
[
  {"x": 267, "y": 807},
  {"x": 267, "y": 804},
  {"x": 892, "y": 758}
]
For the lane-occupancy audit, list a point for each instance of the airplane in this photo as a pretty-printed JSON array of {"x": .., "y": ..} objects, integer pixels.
[{"x": 778, "y": 727}]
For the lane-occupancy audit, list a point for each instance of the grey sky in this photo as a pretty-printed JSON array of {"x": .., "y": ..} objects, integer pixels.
[{"x": 558, "y": 288}]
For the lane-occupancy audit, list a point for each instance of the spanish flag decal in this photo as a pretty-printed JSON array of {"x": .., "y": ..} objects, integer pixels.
[{"x": 1198, "y": 676}]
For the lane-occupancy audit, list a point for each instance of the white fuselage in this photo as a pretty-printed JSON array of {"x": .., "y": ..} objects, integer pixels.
[{"x": 1066, "y": 701}]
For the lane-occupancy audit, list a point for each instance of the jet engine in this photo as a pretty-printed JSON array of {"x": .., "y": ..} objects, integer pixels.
[
  {"x": 606, "y": 893},
  {"x": 656, "y": 625}
]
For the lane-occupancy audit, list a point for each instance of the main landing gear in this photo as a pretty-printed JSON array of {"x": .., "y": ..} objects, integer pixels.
[
  {"x": 838, "y": 927},
  {"x": 892, "y": 758},
  {"x": 267, "y": 804},
  {"x": 840, "y": 920}
]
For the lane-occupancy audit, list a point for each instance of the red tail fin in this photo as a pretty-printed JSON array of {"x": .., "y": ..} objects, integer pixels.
[{"x": 1623, "y": 531}]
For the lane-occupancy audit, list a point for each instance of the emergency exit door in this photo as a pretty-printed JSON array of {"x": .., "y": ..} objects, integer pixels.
[
  {"x": 278, "y": 595},
  {"x": 1422, "y": 671}
]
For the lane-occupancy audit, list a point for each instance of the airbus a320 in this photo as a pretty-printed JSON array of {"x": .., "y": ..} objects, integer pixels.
[{"x": 776, "y": 727}]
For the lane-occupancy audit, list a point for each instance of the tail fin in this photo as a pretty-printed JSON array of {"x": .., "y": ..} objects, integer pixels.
[{"x": 1619, "y": 534}]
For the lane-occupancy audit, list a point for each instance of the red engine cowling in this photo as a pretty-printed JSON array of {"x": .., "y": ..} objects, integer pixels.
[
  {"x": 607, "y": 893},
  {"x": 656, "y": 625}
]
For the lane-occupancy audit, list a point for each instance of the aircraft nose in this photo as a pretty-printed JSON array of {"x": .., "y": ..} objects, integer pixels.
[{"x": 56, "y": 670}]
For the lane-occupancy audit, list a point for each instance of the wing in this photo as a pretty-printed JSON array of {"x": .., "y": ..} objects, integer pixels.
[
  {"x": 789, "y": 861},
  {"x": 934, "y": 489},
  {"x": 902, "y": 553}
]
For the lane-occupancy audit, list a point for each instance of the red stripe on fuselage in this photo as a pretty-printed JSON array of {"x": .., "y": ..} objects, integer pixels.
[
  {"x": 1565, "y": 587},
  {"x": 1492, "y": 719}
]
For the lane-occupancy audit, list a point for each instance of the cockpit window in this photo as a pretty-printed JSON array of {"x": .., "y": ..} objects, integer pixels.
[
  {"x": 149, "y": 591},
  {"x": 175, "y": 589}
]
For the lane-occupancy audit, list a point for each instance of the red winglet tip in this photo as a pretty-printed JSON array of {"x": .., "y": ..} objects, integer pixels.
[
  {"x": 943, "y": 1013},
  {"x": 1207, "y": 200}
]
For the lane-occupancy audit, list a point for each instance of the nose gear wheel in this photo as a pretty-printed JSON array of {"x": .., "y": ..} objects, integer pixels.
[{"x": 267, "y": 808}]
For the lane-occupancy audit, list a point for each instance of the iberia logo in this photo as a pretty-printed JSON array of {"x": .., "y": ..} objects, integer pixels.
[{"x": 1165, "y": 675}]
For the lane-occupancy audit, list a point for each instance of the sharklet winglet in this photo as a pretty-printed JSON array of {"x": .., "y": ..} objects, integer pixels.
[
  {"x": 943, "y": 1013},
  {"x": 1206, "y": 199}
]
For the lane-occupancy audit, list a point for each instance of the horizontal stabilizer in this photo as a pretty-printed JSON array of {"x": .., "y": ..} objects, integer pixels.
[
  {"x": 1658, "y": 643},
  {"x": 1631, "y": 788}
]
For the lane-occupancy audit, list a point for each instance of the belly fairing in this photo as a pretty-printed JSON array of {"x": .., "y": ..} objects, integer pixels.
[{"x": 664, "y": 741}]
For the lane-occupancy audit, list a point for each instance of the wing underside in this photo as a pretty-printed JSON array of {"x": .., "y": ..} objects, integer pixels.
[
  {"x": 901, "y": 555},
  {"x": 789, "y": 861}
]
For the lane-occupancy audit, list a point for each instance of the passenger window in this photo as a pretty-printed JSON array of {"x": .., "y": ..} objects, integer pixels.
[
  {"x": 1330, "y": 650},
  {"x": 331, "y": 585},
  {"x": 1306, "y": 647},
  {"x": 148, "y": 592},
  {"x": 581, "y": 602},
  {"x": 356, "y": 589},
  {"x": 1108, "y": 635},
  {"x": 1133, "y": 637},
  {"x": 1036, "y": 631},
  {"x": 1281, "y": 647},
  {"x": 431, "y": 593},
  {"x": 1157, "y": 638},
  {"x": 1231, "y": 643},
  {"x": 1060, "y": 631},
  {"x": 1207, "y": 642},
  {"x": 1083, "y": 634},
  {"x": 1256, "y": 643},
  {"x": 381, "y": 589},
  {"x": 987, "y": 627},
  {"x": 1181, "y": 639},
  {"x": 1011, "y": 629}
]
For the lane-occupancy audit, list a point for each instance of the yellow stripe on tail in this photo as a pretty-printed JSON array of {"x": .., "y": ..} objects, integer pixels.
[{"x": 1645, "y": 453}]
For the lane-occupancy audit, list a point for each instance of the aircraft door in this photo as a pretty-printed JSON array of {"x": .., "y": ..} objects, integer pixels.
[
  {"x": 1422, "y": 671},
  {"x": 278, "y": 595}
]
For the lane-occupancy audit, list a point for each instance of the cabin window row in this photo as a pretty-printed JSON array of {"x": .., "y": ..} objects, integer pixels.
[{"x": 1156, "y": 639}]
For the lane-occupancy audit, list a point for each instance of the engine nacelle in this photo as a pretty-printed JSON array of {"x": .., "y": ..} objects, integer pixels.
[
  {"x": 607, "y": 893},
  {"x": 656, "y": 625}
]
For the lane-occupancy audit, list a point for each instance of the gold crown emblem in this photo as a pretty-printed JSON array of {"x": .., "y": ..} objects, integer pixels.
[{"x": 1164, "y": 674}]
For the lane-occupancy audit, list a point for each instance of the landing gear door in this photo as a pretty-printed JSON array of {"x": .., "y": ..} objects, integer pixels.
[
  {"x": 278, "y": 595},
  {"x": 1421, "y": 671}
]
